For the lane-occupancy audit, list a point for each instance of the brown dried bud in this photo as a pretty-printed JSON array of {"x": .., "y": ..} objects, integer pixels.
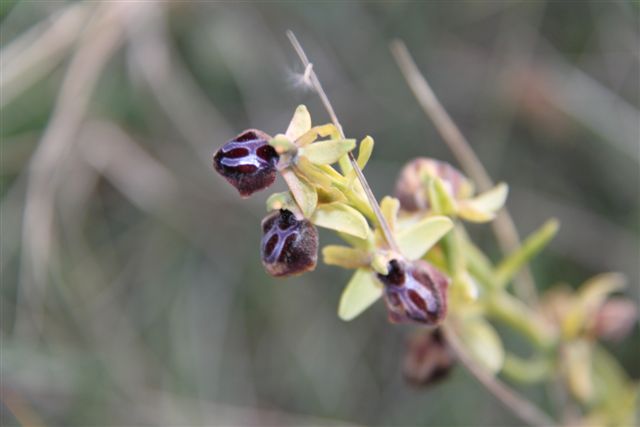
[
  {"x": 289, "y": 246},
  {"x": 411, "y": 187},
  {"x": 428, "y": 359},
  {"x": 615, "y": 319}
]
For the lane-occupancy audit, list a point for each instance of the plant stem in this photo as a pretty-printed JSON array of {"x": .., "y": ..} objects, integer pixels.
[
  {"x": 382, "y": 222},
  {"x": 520, "y": 406},
  {"x": 503, "y": 226}
]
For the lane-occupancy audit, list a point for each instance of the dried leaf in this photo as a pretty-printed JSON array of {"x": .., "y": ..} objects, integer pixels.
[{"x": 360, "y": 293}]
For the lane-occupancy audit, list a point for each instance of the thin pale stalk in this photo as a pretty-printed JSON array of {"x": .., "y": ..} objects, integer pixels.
[
  {"x": 503, "y": 226},
  {"x": 520, "y": 406},
  {"x": 382, "y": 222}
]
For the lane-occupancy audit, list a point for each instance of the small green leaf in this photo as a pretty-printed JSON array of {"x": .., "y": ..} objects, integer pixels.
[
  {"x": 364, "y": 152},
  {"x": 536, "y": 241},
  {"x": 303, "y": 191},
  {"x": 360, "y": 293},
  {"x": 327, "y": 152},
  {"x": 483, "y": 208},
  {"x": 390, "y": 206},
  {"x": 415, "y": 240},
  {"x": 440, "y": 199},
  {"x": 344, "y": 256},
  {"x": 483, "y": 343},
  {"x": 341, "y": 217},
  {"x": 300, "y": 123}
]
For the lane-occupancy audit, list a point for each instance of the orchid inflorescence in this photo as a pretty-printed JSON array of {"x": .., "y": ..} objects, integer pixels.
[
  {"x": 429, "y": 268},
  {"x": 414, "y": 289}
]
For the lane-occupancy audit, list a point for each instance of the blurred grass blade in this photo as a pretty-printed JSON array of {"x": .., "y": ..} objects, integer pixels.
[{"x": 510, "y": 266}]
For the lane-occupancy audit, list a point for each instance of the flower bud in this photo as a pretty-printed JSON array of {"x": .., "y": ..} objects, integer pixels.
[
  {"x": 415, "y": 292},
  {"x": 615, "y": 319},
  {"x": 428, "y": 359},
  {"x": 411, "y": 187},
  {"x": 289, "y": 246},
  {"x": 248, "y": 162}
]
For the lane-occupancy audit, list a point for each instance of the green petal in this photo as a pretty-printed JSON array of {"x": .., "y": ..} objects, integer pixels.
[
  {"x": 483, "y": 208},
  {"x": 415, "y": 240},
  {"x": 364, "y": 152},
  {"x": 441, "y": 201},
  {"x": 303, "y": 192},
  {"x": 390, "y": 206},
  {"x": 344, "y": 256},
  {"x": 340, "y": 217},
  {"x": 483, "y": 343},
  {"x": 360, "y": 293},
  {"x": 300, "y": 123},
  {"x": 327, "y": 152}
]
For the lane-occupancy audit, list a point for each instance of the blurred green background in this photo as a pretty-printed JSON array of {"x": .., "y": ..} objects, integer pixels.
[{"x": 132, "y": 289}]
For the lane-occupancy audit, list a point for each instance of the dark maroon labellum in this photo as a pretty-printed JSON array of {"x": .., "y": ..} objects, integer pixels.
[
  {"x": 248, "y": 162},
  {"x": 415, "y": 292},
  {"x": 429, "y": 358},
  {"x": 289, "y": 246}
]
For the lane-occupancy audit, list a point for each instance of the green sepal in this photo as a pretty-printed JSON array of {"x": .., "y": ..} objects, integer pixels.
[
  {"x": 415, "y": 240},
  {"x": 483, "y": 207},
  {"x": 327, "y": 152},
  {"x": 483, "y": 343},
  {"x": 302, "y": 190},
  {"x": 300, "y": 123},
  {"x": 510, "y": 266},
  {"x": 360, "y": 293},
  {"x": 439, "y": 198},
  {"x": 345, "y": 257},
  {"x": 341, "y": 217}
]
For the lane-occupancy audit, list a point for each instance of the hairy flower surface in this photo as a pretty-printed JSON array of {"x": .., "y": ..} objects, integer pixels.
[
  {"x": 415, "y": 292},
  {"x": 289, "y": 246},
  {"x": 248, "y": 162}
]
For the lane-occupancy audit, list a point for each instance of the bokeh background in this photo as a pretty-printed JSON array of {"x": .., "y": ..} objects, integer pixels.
[{"x": 132, "y": 289}]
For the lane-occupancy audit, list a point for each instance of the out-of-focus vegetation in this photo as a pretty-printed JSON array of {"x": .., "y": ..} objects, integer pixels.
[{"x": 132, "y": 289}]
